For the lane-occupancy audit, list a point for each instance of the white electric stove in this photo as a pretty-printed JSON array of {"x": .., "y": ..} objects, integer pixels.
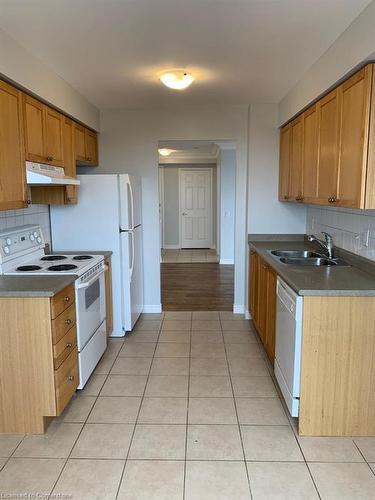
[{"x": 22, "y": 253}]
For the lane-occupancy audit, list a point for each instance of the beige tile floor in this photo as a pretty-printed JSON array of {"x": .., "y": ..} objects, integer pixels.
[
  {"x": 185, "y": 408},
  {"x": 184, "y": 256}
]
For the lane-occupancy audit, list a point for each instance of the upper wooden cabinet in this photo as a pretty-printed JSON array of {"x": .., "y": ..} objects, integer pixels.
[
  {"x": 295, "y": 161},
  {"x": 328, "y": 146},
  {"x": 43, "y": 133},
  {"x": 309, "y": 155},
  {"x": 284, "y": 163},
  {"x": 12, "y": 153},
  {"x": 70, "y": 192},
  {"x": 86, "y": 145},
  {"x": 337, "y": 163},
  {"x": 355, "y": 96}
]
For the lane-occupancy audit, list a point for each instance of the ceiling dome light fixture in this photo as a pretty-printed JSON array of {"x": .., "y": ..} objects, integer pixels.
[
  {"x": 177, "y": 79},
  {"x": 165, "y": 151}
]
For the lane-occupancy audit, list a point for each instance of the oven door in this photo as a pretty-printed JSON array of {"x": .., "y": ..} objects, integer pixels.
[{"x": 90, "y": 306}]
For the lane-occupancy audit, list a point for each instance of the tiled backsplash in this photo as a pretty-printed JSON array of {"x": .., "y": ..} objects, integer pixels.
[
  {"x": 34, "y": 214},
  {"x": 353, "y": 230}
]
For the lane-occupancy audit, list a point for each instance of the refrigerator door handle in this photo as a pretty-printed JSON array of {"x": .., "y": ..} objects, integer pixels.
[
  {"x": 131, "y": 204},
  {"x": 132, "y": 260}
]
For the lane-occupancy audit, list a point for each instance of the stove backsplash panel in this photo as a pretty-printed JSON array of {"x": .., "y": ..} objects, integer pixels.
[{"x": 33, "y": 214}]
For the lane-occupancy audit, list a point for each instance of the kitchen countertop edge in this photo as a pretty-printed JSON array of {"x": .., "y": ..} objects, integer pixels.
[{"x": 28, "y": 286}]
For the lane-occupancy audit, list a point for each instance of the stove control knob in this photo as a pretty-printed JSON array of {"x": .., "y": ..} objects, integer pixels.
[
  {"x": 8, "y": 241},
  {"x": 32, "y": 237},
  {"x": 39, "y": 239},
  {"x": 6, "y": 250},
  {"x": 35, "y": 234}
]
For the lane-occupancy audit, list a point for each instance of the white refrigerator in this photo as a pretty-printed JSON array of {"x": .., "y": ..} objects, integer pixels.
[{"x": 108, "y": 217}]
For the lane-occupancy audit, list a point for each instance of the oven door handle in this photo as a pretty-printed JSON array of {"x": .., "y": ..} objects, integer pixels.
[{"x": 86, "y": 284}]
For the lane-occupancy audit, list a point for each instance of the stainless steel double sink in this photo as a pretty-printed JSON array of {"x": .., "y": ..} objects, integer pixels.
[{"x": 305, "y": 258}]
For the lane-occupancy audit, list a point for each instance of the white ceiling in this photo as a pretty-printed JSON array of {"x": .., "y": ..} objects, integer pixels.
[{"x": 240, "y": 51}]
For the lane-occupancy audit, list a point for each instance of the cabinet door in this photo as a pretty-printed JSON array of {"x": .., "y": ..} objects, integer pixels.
[
  {"x": 284, "y": 163},
  {"x": 91, "y": 147},
  {"x": 69, "y": 160},
  {"x": 310, "y": 155},
  {"x": 354, "y": 129},
  {"x": 328, "y": 149},
  {"x": 53, "y": 145},
  {"x": 271, "y": 314},
  {"x": 34, "y": 129},
  {"x": 79, "y": 142},
  {"x": 295, "y": 165},
  {"x": 12, "y": 152},
  {"x": 253, "y": 285},
  {"x": 262, "y": 300}
]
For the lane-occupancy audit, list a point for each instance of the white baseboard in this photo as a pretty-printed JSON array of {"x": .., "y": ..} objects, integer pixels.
[
  {"x": 151, "y": 308},
  {"x": 238, "y": 309},
  {"x": 171, "y": 247},
  {"x": 226, "y": 261}
]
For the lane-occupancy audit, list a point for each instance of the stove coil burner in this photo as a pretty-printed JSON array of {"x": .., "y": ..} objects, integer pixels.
[
  {"x": 62, "y": 267},
  {"x": 28, "y": 268},
  {"x": 53, "y": 257},
  {"x": 82, "y": 257}
]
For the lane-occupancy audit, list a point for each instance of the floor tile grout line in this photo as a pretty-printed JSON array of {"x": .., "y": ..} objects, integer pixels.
[
  {"x": 137, "y": 417},
  {"x": 236, "y": 410}
]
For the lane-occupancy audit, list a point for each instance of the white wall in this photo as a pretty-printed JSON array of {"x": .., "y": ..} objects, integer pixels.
[
  {"x": 355, "y": 45},
  {"x": 171, "y": 208},
  {"x": 265, "y": 213},
  {"x": 17, "y": 64},
  {"x": 128, "y": 143},
  {"x": 227, "y": 204},
  {"x": 353, "y": 230}
]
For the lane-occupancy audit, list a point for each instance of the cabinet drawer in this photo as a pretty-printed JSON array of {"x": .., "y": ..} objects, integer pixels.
[
  {"x": 63, "y": 323},
  {"x": 66, "y": 381},
  {"x": 64, "y": 347},
  {"x": 61, "y": 301}
]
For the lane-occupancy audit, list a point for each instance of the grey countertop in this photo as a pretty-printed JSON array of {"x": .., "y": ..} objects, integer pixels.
[
  {"x": 316, "y": 281},
  {"x": 34, "y": 286}
]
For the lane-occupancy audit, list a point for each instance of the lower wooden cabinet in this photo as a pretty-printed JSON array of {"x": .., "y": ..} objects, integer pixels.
[
  {"x": 262, "y": 301},
  {"x": 38, "y": 360}
]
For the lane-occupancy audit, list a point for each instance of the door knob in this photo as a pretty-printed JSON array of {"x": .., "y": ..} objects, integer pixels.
[{"x": 184, "y": 213}]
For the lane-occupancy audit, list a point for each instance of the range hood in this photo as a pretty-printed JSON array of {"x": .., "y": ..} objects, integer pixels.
[{"x": 38, "y": 174}]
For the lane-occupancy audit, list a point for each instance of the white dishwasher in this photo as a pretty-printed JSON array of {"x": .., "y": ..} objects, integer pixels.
[{"x": 288, "y": 344}]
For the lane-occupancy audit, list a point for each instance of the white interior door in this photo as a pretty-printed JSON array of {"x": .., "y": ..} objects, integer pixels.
[{"x": 195, "y": 208}]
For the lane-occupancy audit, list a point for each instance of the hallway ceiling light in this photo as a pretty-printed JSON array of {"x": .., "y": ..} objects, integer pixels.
[
  {"x": 177, "y": 80},
  {"x": 165, "y": 151}
]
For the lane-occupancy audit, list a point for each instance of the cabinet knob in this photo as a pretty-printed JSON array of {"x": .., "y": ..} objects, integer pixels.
[
  {"x": 89, "y": 158},
  {"x": 286, "y": 197},
  {"x": 66, "y": 299},
  {"x": 28, "y": 202},
  {"x": 71, "y": 378},
  {"x": 49, "y": 158},
  {"x": 299, "y": 198},
  {"x": 69, "y": 345},
  {"x": 68, "y": 321}
]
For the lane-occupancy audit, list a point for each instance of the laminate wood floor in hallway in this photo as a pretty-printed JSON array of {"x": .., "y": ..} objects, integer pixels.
[{"x": 197, "y": 287}]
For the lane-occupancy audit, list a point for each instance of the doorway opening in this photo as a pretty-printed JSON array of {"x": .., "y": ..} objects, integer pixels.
[{"x": 197, "y": 205}]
